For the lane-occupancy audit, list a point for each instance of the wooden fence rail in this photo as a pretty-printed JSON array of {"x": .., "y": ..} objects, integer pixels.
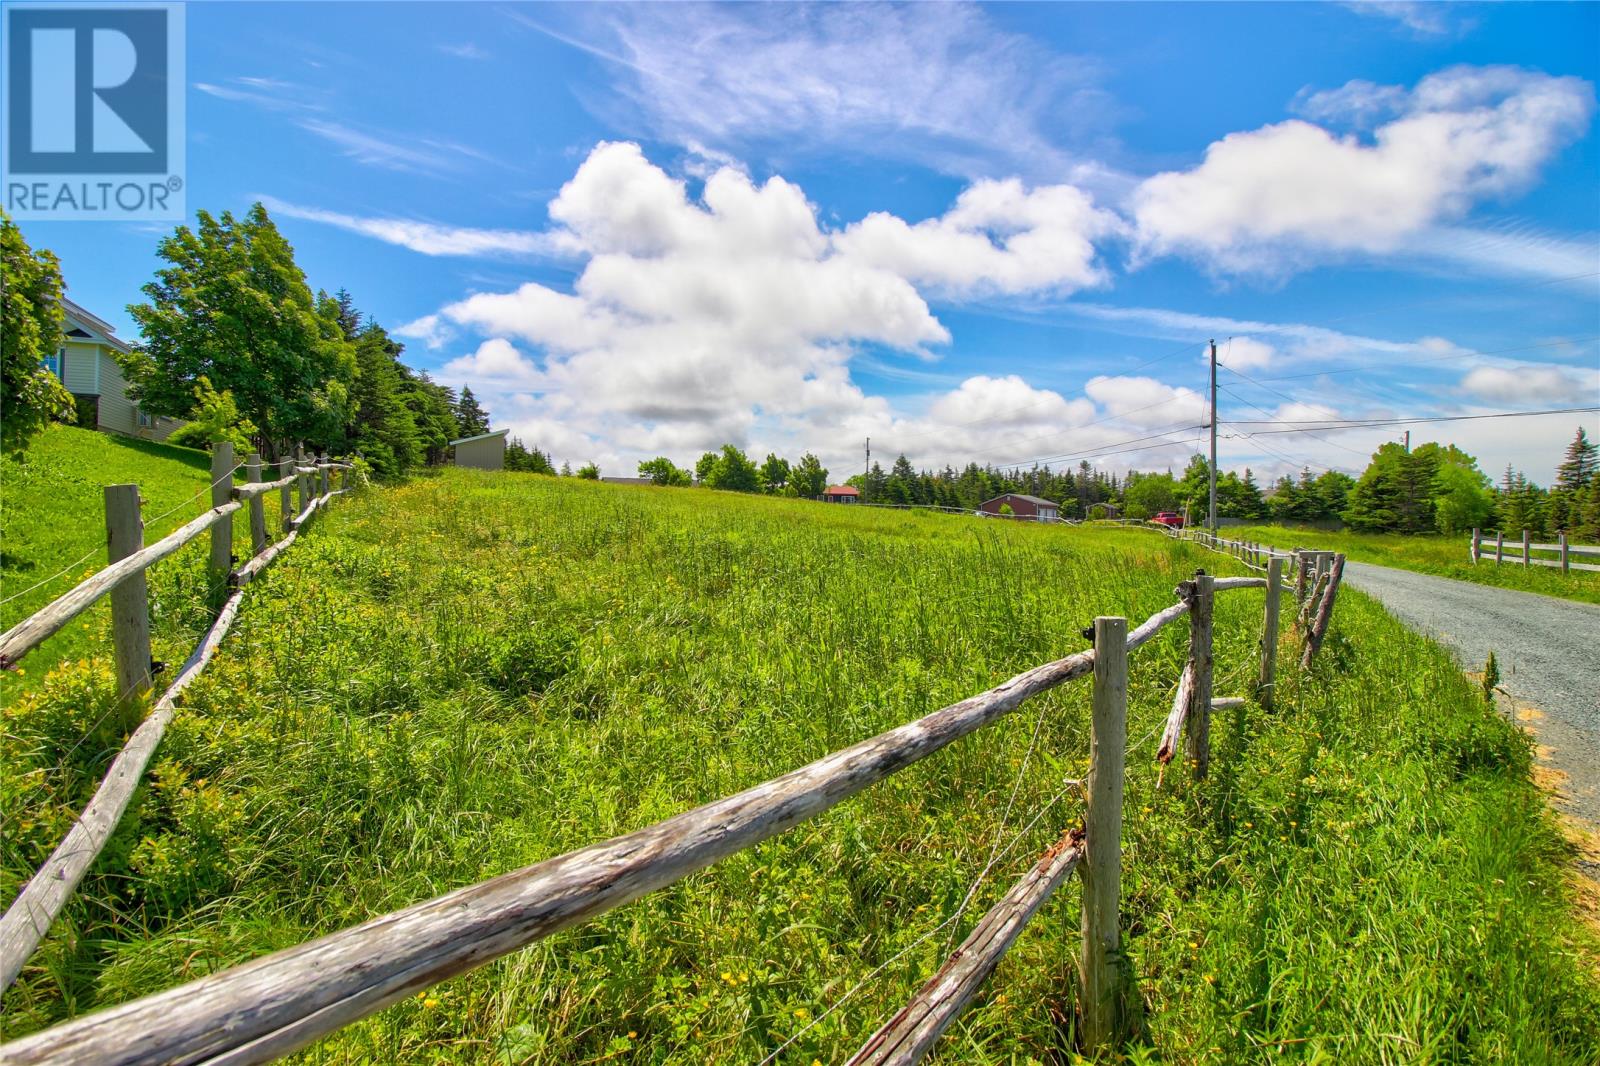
[
  {"x": 28, "y": 919},
  {"x": 1564, "y": 552},
  {"x": 272, "y": 1006}
]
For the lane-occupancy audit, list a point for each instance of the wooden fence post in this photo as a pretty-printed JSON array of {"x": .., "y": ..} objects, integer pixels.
[
  {"x": 130, "y": 608},
  {"x": 1527, "y": 553},
  {"x": 1476, "y": 545},
  {"x": 1301, "y": 559},
  {"x": 1269, "y": 633},
  {"x": 1198, "y": 725},
  {"x": 1563, "y": 543},
  {"x": 1499, "y": 546},
  {"x": 301, "y": 484},
  {"x": 322, "y": 475},
  {"x": 258, "y": 508},
  {"x": 286, "y": 495},
  {"x": 221, "y": 492},
  {"x": 1319, "y": 624},
  {"x": 1101, "y": 868}
]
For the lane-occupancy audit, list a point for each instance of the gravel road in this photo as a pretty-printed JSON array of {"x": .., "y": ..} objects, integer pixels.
[{"x": 1548, "y": 651}]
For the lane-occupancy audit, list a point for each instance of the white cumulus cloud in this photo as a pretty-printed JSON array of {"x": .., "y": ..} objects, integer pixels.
[{"x": 1267, "y": 200}]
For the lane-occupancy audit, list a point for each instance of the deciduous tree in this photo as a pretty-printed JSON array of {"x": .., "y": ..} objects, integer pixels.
[{"x": 30, "y": 330}]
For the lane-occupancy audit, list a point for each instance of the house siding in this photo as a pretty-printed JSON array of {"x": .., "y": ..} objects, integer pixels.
[
  {"x": 78, "y": 368},
  {"x": 118, "y": 413}
]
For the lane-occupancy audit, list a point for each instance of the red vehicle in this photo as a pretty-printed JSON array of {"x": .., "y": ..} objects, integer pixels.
[{"x": 1169, "y": 518}]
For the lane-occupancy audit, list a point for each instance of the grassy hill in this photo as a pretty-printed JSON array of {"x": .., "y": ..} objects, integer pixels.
[
  {"x": 1445, "y": 556},
  {"x": 53, "y": 534},
  {"x": 473, "y": 672}
]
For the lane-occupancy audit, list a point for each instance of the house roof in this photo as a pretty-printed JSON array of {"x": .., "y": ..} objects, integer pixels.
[
  {"x": 842, "y": 490},
  {"x": 1035, "y": 500},
  {"x": 97, "y": 328},
  {"x": 480, "y": 436}
]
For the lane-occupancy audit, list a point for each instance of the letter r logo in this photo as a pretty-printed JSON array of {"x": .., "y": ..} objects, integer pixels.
[{"x": 87, "y": 90}]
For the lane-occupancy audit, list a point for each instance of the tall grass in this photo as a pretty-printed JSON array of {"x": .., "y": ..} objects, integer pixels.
[
  {"x": 474, "y": 672},
  {"x": 1444, "y": 556}
]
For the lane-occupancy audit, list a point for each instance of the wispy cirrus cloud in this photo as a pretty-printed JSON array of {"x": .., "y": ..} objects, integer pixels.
[
  {"x": 939, "y": 84},
  {"x": 426, "y": 238},
  {"x": 465, "y": 50},
  {"x": 1420, "y": 18}
]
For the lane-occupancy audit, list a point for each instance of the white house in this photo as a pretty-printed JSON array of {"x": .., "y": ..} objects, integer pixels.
[{"x": 87, "y": 366}]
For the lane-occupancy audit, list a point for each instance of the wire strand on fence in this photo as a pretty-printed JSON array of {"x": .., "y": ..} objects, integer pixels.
[
  {"x": 98, "y": 548},
  {"x": 955, "y": 916}
]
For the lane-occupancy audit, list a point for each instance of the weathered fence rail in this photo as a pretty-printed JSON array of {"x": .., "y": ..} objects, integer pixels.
[
  {"x": 28, "y": 919},
  {"x": 284, "y": 1001},
  {"x": 1522, "y": 550}
]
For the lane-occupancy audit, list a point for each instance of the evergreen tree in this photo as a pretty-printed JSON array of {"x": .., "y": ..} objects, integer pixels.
[
  {"x": 525, "y": 460},
  {"x": 1581, "y": 464},
  {"x": 471, "y": 418},
  {"x": 385, "y": 427}
]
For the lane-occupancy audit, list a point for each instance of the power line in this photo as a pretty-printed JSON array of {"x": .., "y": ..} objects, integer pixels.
[
  {"x": 1420, "y": 362},
  {"x": 1329, "y": 425}
]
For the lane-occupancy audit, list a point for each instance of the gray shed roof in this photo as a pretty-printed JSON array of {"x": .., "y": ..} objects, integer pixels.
[{"x": 480, "y": 436}]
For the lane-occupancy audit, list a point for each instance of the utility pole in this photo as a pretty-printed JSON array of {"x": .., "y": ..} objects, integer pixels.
[
  {"x": 1408, "y": 442},
  {"x": 1212, "y": 512},
  {"x": 866, "y": 471}
]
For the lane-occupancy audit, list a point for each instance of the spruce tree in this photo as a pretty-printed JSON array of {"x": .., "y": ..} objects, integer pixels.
[{"x": 471, "y": 418}]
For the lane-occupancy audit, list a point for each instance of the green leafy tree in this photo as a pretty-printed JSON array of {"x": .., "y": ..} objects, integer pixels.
[
  {"x": 589, "y": 472},
  {"x": 1461, "y": 497},
  {"x": 732, "y": 471},
  {"x": 1194, "y": 490},
  {"x": 662, "y": 471},
  {"x": 774, "y": 474},
  {"x": 30, "y": 330},
  {"x": 1150, "y": 494},
  {"x": 216, "y": 419},
  {"x": 231, "y": 304},
  {"x": 809, "y": 477},
  {"x": 471, "y": 418}
]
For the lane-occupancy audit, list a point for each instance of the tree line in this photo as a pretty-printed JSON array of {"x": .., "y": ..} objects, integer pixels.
[
  {"x": 1433, "y": 488},
  {"x": 237, "y": 345}
]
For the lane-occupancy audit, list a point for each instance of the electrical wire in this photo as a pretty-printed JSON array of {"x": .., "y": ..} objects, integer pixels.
[{"x": 1332, "y": 424}]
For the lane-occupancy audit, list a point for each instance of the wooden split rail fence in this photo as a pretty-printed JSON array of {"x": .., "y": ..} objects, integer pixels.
[
  {"x": 30, "y": 915},
  {"x": 1522, "y": 551},
  {"x": 274, "y": 1005}
]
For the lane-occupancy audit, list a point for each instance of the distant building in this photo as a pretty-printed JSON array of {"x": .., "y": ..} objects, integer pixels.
[
  {"x": 629, "y": 480},
  {"x": 841, "y": 494},
  {"x": 87, "y": 365},
  {"x": 1040, "y": 510},
  {"x": 486, "y": 451}
]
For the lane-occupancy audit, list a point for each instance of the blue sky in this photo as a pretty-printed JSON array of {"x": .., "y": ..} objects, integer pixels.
[{"x": 993, "y": 233}]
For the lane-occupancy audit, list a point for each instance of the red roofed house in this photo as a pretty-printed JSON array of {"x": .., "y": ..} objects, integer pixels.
[{"x": 841, "y": 494}]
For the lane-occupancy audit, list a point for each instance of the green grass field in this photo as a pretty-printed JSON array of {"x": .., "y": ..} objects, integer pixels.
[
  {"x": 473, "y": 672},
  {"x": 1445, "y": 556}
]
